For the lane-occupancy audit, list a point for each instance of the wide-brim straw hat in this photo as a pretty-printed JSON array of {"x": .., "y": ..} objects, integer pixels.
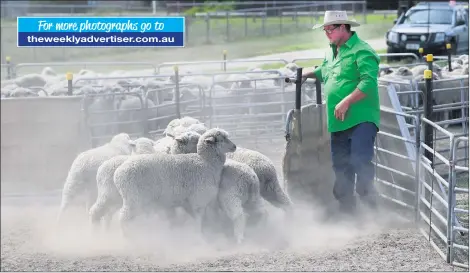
[{"x": 336, "y": 17}]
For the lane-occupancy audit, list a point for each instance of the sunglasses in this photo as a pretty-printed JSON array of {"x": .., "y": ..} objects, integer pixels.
[{"x": 329, "y": 31}]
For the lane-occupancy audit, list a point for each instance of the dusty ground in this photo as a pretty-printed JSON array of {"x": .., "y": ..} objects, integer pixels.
[
  {"x": 384, "y": 242},
  {"x": 30, "y": 242}
]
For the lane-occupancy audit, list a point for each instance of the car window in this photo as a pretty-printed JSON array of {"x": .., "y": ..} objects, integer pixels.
[
  {"x": 432, "y": 16},
  {"x": 461, "y": 16}
]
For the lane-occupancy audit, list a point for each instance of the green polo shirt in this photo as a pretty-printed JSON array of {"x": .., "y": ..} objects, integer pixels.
[{"x": 355, "y": 66}]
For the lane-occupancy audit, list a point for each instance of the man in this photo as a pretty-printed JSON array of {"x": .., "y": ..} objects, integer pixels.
[{"x": 349, "y": 72}]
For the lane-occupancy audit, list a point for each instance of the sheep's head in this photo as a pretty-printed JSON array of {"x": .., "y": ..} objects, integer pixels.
[
  {"x": 385, "y": 71},
  {"x": 48, "y": 71},
  {"x": 455, "y": 65},
  {"x": 124, "y": 142},
  {"x": 186, "y": 94},
  {"x": 420, "y": 78},
  {"x": 404, "y": 71},
  {"x": 465, "y": 70},
  {"x": 185, "y": 143},
  {"x": 144, "y": 145},
  {"x": 216, "y": 139},
  {"x": 292, "y": 67},
  {"x": 198, "y": 128},
  {"x": 85, "y": 71}
]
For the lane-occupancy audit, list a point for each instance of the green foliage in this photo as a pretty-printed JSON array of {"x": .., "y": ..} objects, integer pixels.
[{"x": 209, "y": 7}]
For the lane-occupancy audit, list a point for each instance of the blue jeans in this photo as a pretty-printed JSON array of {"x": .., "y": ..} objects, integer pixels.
[{"x": 352, "y": 151}]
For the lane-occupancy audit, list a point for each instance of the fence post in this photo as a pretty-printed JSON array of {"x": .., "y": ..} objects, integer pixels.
[
  {"x": 8, "y": 61},
  {"x": 246, "y": 24},
  {"x": 417, "y": 165},
  {"x": 69, "y": 77},
  {"x": 364, "y": 12},
  {"x": 227, "y": 25},
  {"x": 224, "y": 53},
  {"x": 177, "y": 92},
  {"x": 429, "y": 60},
  {"x": 450, "y": 202},
  {"x": 263, "y": 24},
  {"x": 449, "y": 58},
  {"x": 208, "y": 29},
  {"x": 298, "y": 104},
  {"x": 428, "y": 112},
  {"x": 318, "y": 90}
]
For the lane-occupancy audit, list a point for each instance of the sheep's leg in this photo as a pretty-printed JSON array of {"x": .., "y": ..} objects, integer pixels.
[
  {"x": 112, "y": 209},
  {"x": 258, "y": 216},
  {"x": 445, "y": 115},
  {"x": 126, "y": 215},
  {"x": 89, "y": 199},
  {"x": 72, "y": 188},
  {"x": 274, "y": 194},
  {"x": 107, "y": 218},
  {"x": 233, "y": 208},
  {"x": 98, "y": 210},
  {"x": 199, "y": 216}
]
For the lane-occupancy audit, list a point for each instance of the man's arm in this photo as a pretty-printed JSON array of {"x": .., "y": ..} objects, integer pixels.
[
  {"x": 355, "y": 96},
  {"x": 315, "y": 74},
  {"x": 368, "y": 67}
]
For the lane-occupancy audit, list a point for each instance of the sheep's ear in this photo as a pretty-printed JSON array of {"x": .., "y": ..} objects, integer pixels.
[
  {"x": 181, "y": 139},
  {"x": 132, "y": 143},
  {"x": 210, "y": 140}
]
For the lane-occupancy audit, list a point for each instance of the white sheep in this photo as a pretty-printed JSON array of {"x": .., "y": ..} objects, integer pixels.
[
  {"x": 163, "y": 144},
  {"x": 176, "y": 127},
  {"x": 184, "y": 143},
  {"x": 239, "y": 192},
  {"x": 31, "y": 80},
  {"x": 270, "y": 186},
  {"x": 198, "y": 128},
  {"x": 184, "y": 121},
  {"x": 187, "y": 180},
  {"x": 48, "y": 72},
  {"x": 419, "y": 70},
  {"x": 239, "y": 197},
  {"x": 82, "y": 174},
  {"x": 109, "y": 200}
]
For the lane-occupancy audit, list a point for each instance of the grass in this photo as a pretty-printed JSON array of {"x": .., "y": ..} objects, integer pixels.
[
  {"x": 307, "y": 63},
  {"x": 254, "y": 44}
]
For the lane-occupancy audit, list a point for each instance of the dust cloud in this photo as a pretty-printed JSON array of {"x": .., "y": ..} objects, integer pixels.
[{"x": 33, "y": 230}]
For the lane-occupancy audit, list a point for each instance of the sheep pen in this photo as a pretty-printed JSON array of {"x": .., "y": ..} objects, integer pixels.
[{"x": 306, "y": 242}]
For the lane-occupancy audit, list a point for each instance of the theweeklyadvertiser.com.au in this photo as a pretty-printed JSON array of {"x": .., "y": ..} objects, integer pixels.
[{"x": 92, "y": 39}]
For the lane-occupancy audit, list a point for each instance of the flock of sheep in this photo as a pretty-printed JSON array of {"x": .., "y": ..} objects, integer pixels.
[
  {"x": 453, "y": 85},
  {"x": 196, "y": 168},
  {"x": 131, "y": 101}
]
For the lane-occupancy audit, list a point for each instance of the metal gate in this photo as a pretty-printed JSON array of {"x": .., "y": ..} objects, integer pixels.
[
  {"x": 433, "y": 190},
  {"x": 142, "y": 110}
]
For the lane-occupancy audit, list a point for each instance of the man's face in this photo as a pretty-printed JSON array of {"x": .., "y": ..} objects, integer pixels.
[{"x": 333, "y": 33}]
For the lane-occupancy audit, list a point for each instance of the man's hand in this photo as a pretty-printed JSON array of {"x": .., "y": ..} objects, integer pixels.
[
  {"x": 342, "y": 108},
  {"x": 307, "y": 75}
]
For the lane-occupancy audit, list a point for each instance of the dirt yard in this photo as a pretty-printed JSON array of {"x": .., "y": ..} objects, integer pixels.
[{"x": 374, "y": 242}]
